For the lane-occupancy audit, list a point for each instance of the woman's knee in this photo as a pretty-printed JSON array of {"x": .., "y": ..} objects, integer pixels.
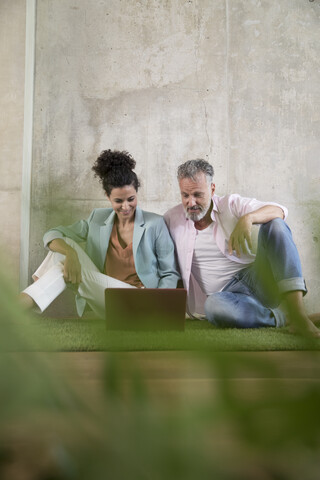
[{"x": 84, "y": 259}]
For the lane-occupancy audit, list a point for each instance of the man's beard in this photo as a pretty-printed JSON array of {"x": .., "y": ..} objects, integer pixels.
[{"x": 197, "y": 215}]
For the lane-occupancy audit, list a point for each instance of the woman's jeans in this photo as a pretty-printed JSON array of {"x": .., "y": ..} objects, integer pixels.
[{"x": 251, "y": 298}]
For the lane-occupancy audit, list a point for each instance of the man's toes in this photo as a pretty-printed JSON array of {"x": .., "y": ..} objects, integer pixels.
[{"x": 315, "y": 318}]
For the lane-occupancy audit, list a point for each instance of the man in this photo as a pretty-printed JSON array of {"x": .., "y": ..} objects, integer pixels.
[{"x": 225, "y": 280}]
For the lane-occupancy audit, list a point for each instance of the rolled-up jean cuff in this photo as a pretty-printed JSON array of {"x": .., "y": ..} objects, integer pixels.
[
  {"x": 292, "y": 284},
  {"x": 280, "y": 317}
]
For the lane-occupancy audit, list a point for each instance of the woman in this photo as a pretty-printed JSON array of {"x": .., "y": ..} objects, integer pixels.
[{"x": 125, "y": 246}]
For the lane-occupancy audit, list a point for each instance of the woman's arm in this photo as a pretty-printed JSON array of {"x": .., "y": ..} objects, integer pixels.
[
  {"x": 167, "y": 266},
  {"x": 72, "y": 267},
  {"x": 53, "y": 239},
  {"x": 78, "y": 231}
]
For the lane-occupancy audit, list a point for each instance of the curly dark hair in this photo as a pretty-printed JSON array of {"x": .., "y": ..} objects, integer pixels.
[{"x": 115, "y": 170}]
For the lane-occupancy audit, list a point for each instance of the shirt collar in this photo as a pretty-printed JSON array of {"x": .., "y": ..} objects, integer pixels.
[{"x": 214, "y": 209}]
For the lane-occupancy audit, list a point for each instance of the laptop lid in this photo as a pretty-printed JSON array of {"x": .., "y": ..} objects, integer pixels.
[{"x": 145, "y": 308}]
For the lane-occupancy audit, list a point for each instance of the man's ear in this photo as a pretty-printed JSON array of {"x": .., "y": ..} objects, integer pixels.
[{"x": 213, "y": 187}]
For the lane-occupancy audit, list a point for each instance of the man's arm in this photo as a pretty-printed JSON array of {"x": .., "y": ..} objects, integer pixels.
[
  {"x": 72, "y": 267},
  {"x": 242, "y": 230}
]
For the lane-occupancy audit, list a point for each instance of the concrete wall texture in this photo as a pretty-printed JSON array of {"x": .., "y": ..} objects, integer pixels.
[
  {"x": 232, "y": 81},
  {"x": 12, "y": 51}
]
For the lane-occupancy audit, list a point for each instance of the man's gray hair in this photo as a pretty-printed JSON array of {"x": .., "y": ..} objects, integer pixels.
[{"x": 192, "y": 168}]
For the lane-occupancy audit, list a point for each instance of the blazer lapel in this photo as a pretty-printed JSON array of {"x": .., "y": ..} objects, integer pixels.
[
  {"x": 105, "y": 233},
  {"x": 138, "y": 230}
]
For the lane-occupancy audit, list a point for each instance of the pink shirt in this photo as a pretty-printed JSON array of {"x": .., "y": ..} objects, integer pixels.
[{"x": 225, "y": 214}]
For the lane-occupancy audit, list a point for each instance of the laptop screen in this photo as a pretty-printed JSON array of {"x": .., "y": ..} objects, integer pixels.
[{"x": 145, "y": 308}]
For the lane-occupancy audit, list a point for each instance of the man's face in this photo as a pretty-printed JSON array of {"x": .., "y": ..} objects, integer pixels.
[{"x": 196, "y": 196}]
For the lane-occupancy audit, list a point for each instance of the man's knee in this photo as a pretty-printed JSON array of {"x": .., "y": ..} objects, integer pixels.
[
  {"x": 275, "y": 233},
  {"x": 277, "y": 226},
  {"x": 216, "y": 308}
]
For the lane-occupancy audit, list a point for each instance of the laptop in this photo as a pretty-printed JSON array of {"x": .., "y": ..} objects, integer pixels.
[{"x": 145, "y": 308}]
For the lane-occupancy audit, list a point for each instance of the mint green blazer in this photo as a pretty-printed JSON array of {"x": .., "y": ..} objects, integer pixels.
[{"x": 153, "y": 248}]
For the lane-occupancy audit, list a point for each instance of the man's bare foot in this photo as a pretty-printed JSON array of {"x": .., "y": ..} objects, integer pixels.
[
  {"x": 297, "y": 317},
  {"x": 25, "y": 301},
  {"x": 305, "y": 327},
  {"x": 315, "y": 318}
]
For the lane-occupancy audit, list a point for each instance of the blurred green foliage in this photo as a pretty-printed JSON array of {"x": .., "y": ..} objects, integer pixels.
[{"x": 267, "y": 428}]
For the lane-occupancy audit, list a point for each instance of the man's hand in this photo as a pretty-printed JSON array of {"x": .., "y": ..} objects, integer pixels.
[
  {"x": 72, "y": 267},
  {"x": 242, "y": 230},
  {"x": 239, "y": 236}
]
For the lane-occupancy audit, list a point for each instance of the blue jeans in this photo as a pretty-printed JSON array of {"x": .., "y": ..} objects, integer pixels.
[{"x": 251, "y": 298}]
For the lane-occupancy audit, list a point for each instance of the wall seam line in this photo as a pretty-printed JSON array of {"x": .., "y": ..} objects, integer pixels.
[
  {"x": 227, "y": 95},
  {"x": 27, "y": 142}
]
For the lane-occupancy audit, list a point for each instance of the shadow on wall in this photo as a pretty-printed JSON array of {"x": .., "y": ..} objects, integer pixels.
[{"x": 51, "y": 429}]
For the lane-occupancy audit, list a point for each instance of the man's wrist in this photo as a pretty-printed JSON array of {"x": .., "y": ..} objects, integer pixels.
[{"x": 248, "y": 218}]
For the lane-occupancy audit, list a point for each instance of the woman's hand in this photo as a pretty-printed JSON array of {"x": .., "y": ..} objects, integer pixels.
[{"x": 72, "y": 267}]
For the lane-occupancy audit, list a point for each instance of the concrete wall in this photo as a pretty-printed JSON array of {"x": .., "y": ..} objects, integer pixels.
[
  {"x": 233, "y": 81},
  {"x": 148, "y": 77},
  {"x": 12, "y": 51}
]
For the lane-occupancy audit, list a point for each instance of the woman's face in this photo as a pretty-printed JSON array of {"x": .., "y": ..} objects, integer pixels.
[{"x": 124, "y": 201}]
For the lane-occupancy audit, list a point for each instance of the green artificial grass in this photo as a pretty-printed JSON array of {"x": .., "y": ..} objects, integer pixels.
[{"x": 91, "y": 335}]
